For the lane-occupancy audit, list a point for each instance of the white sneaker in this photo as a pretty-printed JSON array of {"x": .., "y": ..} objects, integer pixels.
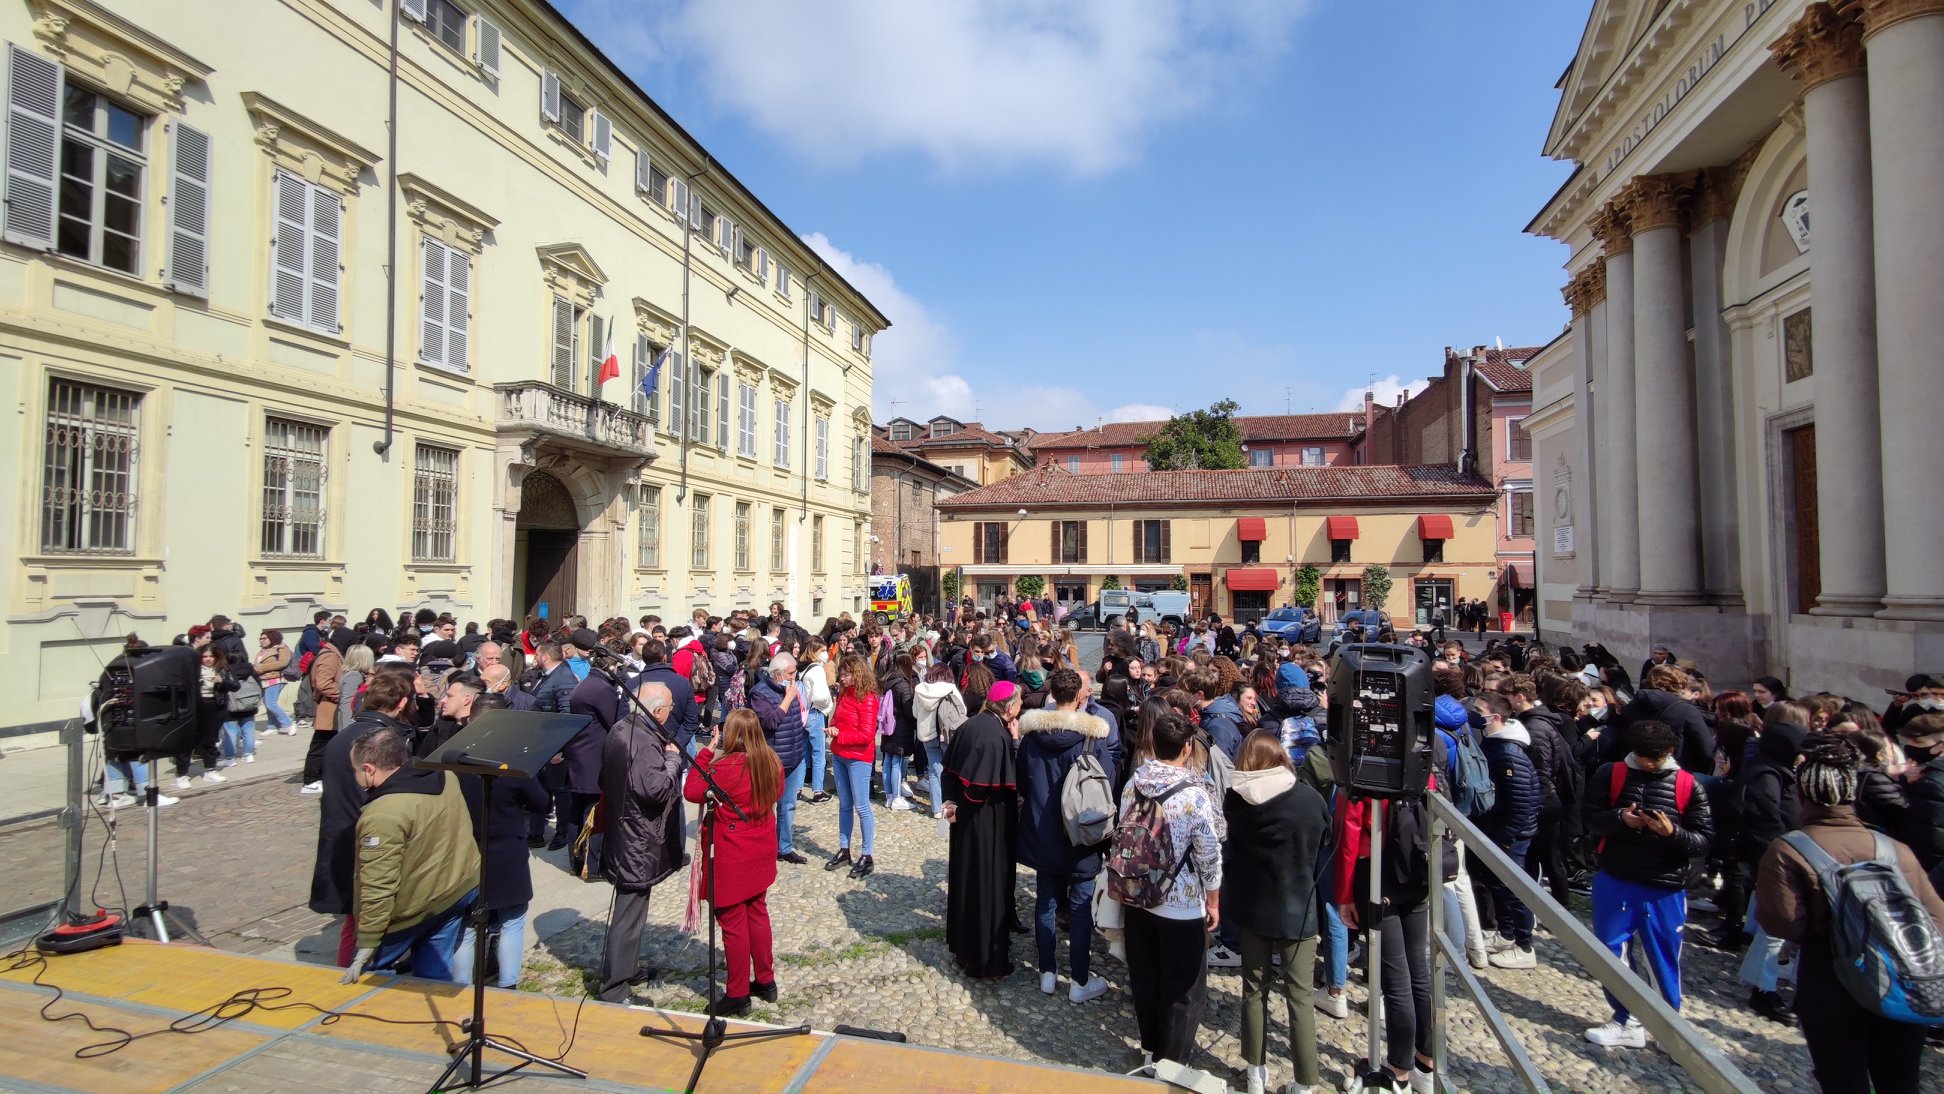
[
  {"x": 164, "y": 799},
  {"x": 250, "y": 759},
  {"x": 1616, "y": 1035},
  {"x": 214, "y": 777},
  {"x": 1422, "y": 1081},
  {"x": 290, "y": 731},
  {"x": 1047, "y": 983},
  {"x": 900, "y": 805},
  {"x": 1478, "y": 959},
  {"x": 118, "y": 801},
  {"x": 1258, "y": 1079},
  {"x": 183, "y": 782},
  {"x": 1497, "y": 943},
  {"x": 312, "y": 788},
  {"x": 1221, "y": 957},
  {"x": 1336, "y": 1006},
  {"x": 1094, "y": 988},
  {"x": 1518, "y": 957}
]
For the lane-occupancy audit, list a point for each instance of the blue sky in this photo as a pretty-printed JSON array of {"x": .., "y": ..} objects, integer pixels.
[{"x": 1076, "y": 209}]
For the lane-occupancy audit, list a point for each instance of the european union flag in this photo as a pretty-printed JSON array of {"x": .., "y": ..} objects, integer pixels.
[{"x": 649, "y": 379}]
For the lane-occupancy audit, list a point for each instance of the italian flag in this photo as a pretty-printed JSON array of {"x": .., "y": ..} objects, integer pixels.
[{"x": 610, "y": 364}]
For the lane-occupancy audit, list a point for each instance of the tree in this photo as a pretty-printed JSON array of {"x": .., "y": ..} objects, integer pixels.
[
  {"x": 1030, "y": 586},
  {"x": 951, "y": 584},
  {"x": 1309, "y": 585},
  {"x": 1198, "y": 440},
  {"x": 1180, "y": 583},
  {"x": 1376, "y": 586},
  {"x": 1112, "y": 582}
]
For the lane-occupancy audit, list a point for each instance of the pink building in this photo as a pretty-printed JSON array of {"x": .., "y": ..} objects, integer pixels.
[{"x": 1274, "y": 440}]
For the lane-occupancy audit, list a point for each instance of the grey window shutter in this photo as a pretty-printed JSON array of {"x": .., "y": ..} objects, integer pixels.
[
  {"x": 594, "y": 348},
  {"x": 458, "y": 307},
  {"x": 643, "y": 174},
  {"x": 639, "y": 401},
  {"x": 189, "y": 173},
  {"x": 432, "y": 301},
  {"x": 563, "y": 343},
  {"x": 762, "y": 265},
  {"x": 412, "y": 9},
  {"x": 289, "y": 276},
  {"x": 603, "y": 137},
  {"x": 325, "y": 213},
  {"x": 550, "y": 96},
  {"x": 33, "y": 147},
  {"x": 486, "y": 49},
  {"x": 722, "y": 410},
  {"x": 677, "y": 395}
]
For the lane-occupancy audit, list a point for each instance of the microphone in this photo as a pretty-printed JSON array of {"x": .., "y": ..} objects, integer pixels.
[
  {"x": 460, "y": 756},
  {"x": 588, "y": 642}
]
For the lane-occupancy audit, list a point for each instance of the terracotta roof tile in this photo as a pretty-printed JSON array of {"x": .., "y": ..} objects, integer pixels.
[
  {"x": 1263, "y": 427},
  {"x": 1504, "y": 368},
  {"x": 1054, "y": 485}
]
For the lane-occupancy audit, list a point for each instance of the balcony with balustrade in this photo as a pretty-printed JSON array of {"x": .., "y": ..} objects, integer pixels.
[{"x": 592, "y": 427}]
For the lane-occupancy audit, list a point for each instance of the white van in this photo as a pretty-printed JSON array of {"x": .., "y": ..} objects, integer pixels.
[{"x": 1166, "y": 607}]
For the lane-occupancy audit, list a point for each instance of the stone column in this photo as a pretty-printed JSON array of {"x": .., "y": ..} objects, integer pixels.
[
  {"x": 1825, "y": 51},
  {"x": 1714, "y": 388},
  {"x": 1904, "y": 40},
  {"x": 1581, "y": 294},
  {"x": 1618, "y": 476},
  {"x": 1668, "y": 488}
]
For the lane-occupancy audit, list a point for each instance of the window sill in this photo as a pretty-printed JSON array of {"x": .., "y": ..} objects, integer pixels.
[
  {"x": 82, "y": 265},
  {"x": 91, "y": 560},
  {"x": 294, "y": 562},
  {"x": 438, "y": 567},
  {"x": 455, "y": 57},
  {"x": 578, "y": 148},
  {"x": 651, "y": 569},
  {"x": 291, "y": 327},
  {"x": 445, "y": 370}
]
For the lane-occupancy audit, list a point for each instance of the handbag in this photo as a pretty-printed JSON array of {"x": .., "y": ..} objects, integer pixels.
[{"x": 1108, "y": 913}]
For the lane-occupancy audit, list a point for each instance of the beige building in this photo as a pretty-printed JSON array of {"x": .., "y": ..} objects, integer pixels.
[
  {"x": 225, "y": 404},
  {"x": 1737, "y": 442},
  {"x": 967, "y": 449},
  {"x": 1236, "y": 538}
]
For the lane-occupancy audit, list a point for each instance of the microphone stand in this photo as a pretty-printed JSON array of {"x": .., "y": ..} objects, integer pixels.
[{"x": 715, "y": 1029}]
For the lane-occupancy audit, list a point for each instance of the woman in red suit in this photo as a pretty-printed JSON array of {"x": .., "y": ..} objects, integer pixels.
[{"x": 744, "y": 862}]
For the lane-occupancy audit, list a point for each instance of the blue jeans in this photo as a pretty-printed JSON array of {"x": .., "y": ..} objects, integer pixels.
[
  {"x": 1762, "y": 963},
  {"x": 1054, "y": 891},
  {"x": 895, "y": 768},
  {"x": 854, "y": 800},
  {"x": 935, "y": 763},
  {"x": 121, "y": 772},
  {"x": 425, "y": 950},
  {"x": 239, "y": 738},
  {"x": 1337, "y": 948},
  {"x": 813, "y": 774},
  {"x": 786, "y": 810},
  {"x": 511, "y": 949},
  {"x": 273, "y": 709}
]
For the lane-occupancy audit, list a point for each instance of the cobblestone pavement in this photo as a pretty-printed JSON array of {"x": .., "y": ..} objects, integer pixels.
[{"x": 237, "y": 858}]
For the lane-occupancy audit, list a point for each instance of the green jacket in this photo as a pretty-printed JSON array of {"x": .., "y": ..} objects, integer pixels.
[{"x": 416, "y": 855}]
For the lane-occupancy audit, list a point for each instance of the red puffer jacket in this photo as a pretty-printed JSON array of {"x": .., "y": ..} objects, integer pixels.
[
  {"x": 856, "y": 723},
  {"x": 745, "y": 850}
]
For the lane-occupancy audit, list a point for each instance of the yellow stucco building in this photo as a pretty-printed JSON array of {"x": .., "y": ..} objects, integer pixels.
[
  {"x": 203, "y": 206},
  {"x": 1237, "y": 538}
]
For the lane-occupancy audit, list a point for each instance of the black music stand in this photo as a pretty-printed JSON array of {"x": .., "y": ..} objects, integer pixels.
[{"x": 497, "y": 744}]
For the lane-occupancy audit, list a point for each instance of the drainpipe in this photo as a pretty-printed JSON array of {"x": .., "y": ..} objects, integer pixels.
[
  {"x": 688, "y": 359},
  {"x": 391, "y": 241},
  {"x": 1467, "y": 456},
  {"x": 808, "y": 441}
]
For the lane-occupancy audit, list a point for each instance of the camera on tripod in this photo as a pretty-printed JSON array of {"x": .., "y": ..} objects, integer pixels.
[{"x": 1381, "y": 720}]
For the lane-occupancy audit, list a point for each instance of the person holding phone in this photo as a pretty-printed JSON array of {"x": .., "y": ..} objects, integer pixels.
[{"x": 1651, "y": 819}]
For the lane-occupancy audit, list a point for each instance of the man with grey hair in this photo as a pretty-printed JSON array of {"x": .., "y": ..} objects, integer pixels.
[
  {"x": 780, "y": 707},
  {"x": 643, "y": 838}
]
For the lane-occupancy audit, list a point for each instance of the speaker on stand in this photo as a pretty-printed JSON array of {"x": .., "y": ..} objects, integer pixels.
[{"x": 148, "y": 707}]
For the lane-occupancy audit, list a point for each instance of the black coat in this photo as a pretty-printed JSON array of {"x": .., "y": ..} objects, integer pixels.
[
  {"x": 1269, "y": 878},
  {"x": 1050, "y": 743},
  {"x": 507, "y": 877},
  {"x": 1770, "y": 805},
  {"x": 581, "y": 756},
  {"x": 1518, "y": 794},
  {"x": 1880, "y": 801},
  {"x": 642, "y": 798},
  {"x": 685, "y": 715},
  {"x": 1696, "y": 749},
  {"x": 1924, "y": 817},
  {"x": 1638, "y": 855},
  {"x": 904, "y": 738},
  {"x": 337, "y": 816}
]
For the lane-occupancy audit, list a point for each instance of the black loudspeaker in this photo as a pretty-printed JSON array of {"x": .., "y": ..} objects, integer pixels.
[
  {"x": 146, "y": 701},
  {"x": 1381, "y": 722}
]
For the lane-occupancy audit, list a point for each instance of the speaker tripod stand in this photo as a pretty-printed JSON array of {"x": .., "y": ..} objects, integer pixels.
[{"x": 154, "y": 909}]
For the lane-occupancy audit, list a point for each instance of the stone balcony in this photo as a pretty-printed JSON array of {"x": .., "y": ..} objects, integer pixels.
[{"x": 593, "y": 427}]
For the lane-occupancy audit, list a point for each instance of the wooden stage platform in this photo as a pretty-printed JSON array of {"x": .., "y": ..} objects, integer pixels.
[{"x": 142, "y": 986}]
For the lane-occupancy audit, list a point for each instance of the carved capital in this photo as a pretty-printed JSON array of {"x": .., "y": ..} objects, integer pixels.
[
  {"x": 1596, "y": 281},
  {"x": 1716, "y": 191},
  {"x": 1880, "y": 15},
  {"x": 1657, "y": 201},
  {"x": 1821, "y": 46},
  {"x": 1610, "y": 226},
  {"x": 1575, "y": 293}
]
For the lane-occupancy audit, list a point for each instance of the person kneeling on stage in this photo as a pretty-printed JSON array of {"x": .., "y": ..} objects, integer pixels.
[
  {"x": 418, "y": 866},
  {"x": 743, "y": 859},
  {"x": 643, "y": 833}
]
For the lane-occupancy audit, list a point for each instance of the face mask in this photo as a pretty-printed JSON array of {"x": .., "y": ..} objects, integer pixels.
[
  {"x": 822, "y": 657},
  {"x": 1475, "y": 719},
  {"x": 978, "y": 657},
  {"x": 1931, "y": 704},
  {"x": 1598, "y": 714}
]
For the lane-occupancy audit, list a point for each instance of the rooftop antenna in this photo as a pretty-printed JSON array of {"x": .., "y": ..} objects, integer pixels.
[
  {"x": 1289, "y": 400},
  {"x": 1498, "y": 342}
]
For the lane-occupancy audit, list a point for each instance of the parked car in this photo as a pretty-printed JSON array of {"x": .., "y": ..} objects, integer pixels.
[
  {"x": 1301, "y": 625},
  {"x": 1167, "y": 606},
  {"x": 1082, "y": 617},
  {"x": 1374, "y": 623},
  {"x": 1113, "y": 604}
]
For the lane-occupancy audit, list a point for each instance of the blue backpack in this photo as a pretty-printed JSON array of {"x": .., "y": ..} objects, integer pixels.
[
  {"x": 1888, "y": 952},
  {"x": 1471, "y": 775}
]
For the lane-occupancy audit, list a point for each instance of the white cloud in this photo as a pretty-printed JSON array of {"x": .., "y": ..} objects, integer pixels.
[
  {"x": 1385, "y": 390},
  {"x": 971, "y": 84},
  {"x": 1139, "y": 412}
]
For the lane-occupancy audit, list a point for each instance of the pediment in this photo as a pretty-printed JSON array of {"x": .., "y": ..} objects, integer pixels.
[
  {"x": 573, "y": 259},
  {"x": 1612, "y": 27}
]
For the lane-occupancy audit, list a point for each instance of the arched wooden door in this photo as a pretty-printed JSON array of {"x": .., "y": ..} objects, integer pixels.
[{"x": 546, "y": 548}]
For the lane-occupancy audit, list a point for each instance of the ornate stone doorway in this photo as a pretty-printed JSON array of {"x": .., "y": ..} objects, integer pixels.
[{"x": 546, "y": 549}]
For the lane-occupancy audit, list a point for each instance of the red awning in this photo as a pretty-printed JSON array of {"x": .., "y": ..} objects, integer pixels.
[
  {"x": 1253, "y": 580},
  {"x": 1516, "y": 575},
  {"x": 1343, "y": 527},
  {"x": 1251, "y": 529},
  {"x": 1434, "y": 526}
]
